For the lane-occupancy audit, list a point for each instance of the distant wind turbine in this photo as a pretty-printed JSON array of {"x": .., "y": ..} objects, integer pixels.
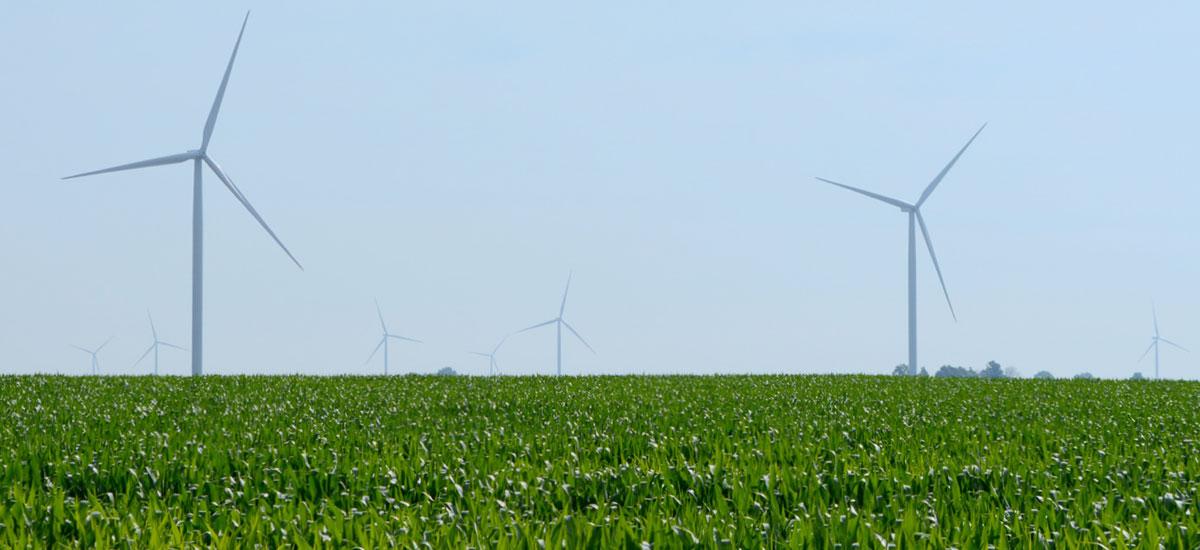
[
  {"x": 1155, "y": 341},
  {"x": 491, "y": 357},
  {"x": 915, "y": 219},
  {"x": 383, "y": 342},
  {"x": 559, "y": 323},
  {"x": 94, "y": 353},
  {"x": 200, "y": 157},
  {"x": 154, "y": 347}
]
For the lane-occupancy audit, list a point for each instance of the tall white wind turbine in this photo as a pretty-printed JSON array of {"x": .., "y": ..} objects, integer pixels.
[
  {"x": 154, "y": 347},
  {"x": 559, "y": 323},
  {"x": 491, "y": 357},
  {"x": 199, "y": 158},
  {"x": 1155, "y": 341},
  {"x": 94, "y": 353},
  {"x": 915, "y": 219},
  {"x": 383, "y": 342}
]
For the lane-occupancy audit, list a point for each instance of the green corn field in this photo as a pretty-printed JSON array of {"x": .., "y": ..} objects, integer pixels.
[{"x": 598, "y": 462}]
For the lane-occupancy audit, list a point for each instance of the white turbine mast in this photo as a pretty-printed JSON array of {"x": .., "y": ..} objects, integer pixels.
[
  {"x": 95, "y": 355},
  {"x": 915, "y": 219},
  {"x": 383, "y": 341},
  {"x": 493, "y": 366},
  {"x": 199, "y": 158},
  {"x": 559, "y": 323},
  {"x": 1154, "y": 342},
  {"x": 154, "y": 347}
]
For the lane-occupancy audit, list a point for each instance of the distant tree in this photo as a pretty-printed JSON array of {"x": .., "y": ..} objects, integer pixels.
[
  {"x": 1043, "y": 375},
  {"x": 1011, "y": 372},
  {"x": 949, "y": 371},
  {"x": 992, "y": 370},
  {"x": 904, "y": 370},
  {"x": 1084, "y": 376},
  {"x": 1137, "y": 376},
  {"x": 924, "y": 373},
  {"x": 446, "y": 371}
]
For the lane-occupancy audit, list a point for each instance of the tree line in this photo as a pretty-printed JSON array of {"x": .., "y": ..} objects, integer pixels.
[{"x": 993, "y": 370}]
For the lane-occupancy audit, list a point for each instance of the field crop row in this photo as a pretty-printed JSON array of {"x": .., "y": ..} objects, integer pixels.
[{"x": 598, "y": 462}]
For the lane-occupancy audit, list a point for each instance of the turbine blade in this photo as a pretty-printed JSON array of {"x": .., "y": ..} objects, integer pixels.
[
  {"x": 1154, "y": 310},
  {"x": 160, "y": 161},
  {"x": 480, "y": 354},
  {"x": 576, "y": 333},
  {"x": 933, "y": 184},
  {"x": 1147, "y": 352},
  {"x": 110, "y": 339},
  {"x": 377, "y": 346},
  {"x": 169, "y": 345},
  {"x": 894, "y": 202},
  {"x": 563, "y": 306},
  {"x": 405, "y": 338},
  {"x": 1173, "y": 344},
  {"x": 148, "y": 350},
  {"x": 936, "y": 267},
  {"x": 83, "y": 349},
  {"x": 152, "y": 329},
  {"x": 539, "y": 325},
  {"x": 216, "y": 106},
  {"x": 242, "y": 198},
  {"x": 502, "y": 341},
  {"x": 380, "y": 312}
]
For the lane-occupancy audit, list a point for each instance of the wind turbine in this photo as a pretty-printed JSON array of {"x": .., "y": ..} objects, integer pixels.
[
  {"x": 1155, "y": 341},
  {"x": 491, "y": 357},
  {"x": 915, "y": 219},
  {"x": 154, "y": 347},
  {"x": 94, "y": 353},
  {"x": 200, "y": 157},
  {"x": 383, "y": 342},
  {"x": 559, "y": 323}
]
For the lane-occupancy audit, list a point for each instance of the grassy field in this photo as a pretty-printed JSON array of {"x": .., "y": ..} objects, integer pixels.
[{"x": 778, "y": 461}]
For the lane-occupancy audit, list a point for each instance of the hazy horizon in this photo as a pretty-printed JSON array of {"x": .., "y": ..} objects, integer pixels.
[{"x": 457, "y": 162}]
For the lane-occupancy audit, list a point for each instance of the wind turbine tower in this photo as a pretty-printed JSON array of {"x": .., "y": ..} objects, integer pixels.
[
  {"x": 154, "y": 347},
  {"x": 1154, "y": 341},
  {"x": 559, "y": 323},
  {"x": 94, "y": 353},
  {"x": 383, "y": 342},
  {"x": 199, "y": 158},
  {"x": 913, "y": 210},
  {"x": 491, "y": 357}
]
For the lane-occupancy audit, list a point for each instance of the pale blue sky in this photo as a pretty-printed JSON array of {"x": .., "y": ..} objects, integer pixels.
[{"x": 456, "y": 160}]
